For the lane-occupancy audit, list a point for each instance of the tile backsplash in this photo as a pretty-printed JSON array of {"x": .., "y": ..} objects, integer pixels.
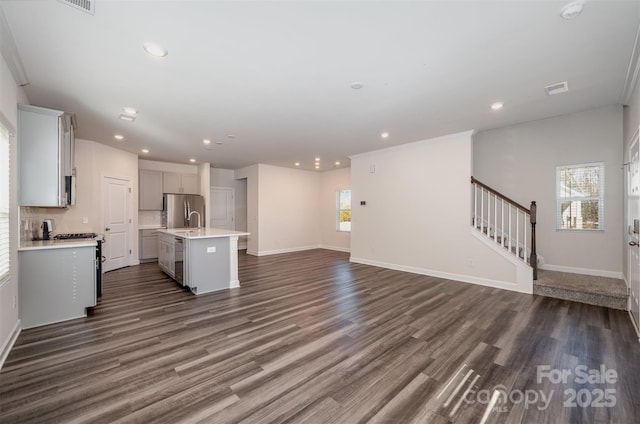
[{"x": 149, "y": 218}]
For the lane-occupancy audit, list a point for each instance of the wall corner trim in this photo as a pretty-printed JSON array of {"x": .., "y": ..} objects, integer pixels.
[{"x": 633, "y": 70}]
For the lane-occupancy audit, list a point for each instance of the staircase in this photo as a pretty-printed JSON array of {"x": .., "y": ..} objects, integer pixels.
[
  {"x": 505, "y": 222},
  {"x": 512, "y": 226}
]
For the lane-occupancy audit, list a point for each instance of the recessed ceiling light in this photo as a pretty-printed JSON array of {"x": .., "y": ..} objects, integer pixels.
[
  {"x": 297, "y": 164},
  {"x": 192, "y": 160},
  {"x": 317, "y": 159},
  {"x": 145, "y": 150},
  {"x": 337, "y": 163},
  {"x": 384, "y": 135},
  {"x": 219, "y": 143},
  {"x": 118, "y": 137},
  {"x": 206, "y": 141},
  {"x": 572, "y": 9},
  {"x": 497, "y": 105},
  {"x": 128, "y": 118},
  {"x": 357, "y": 85},
  {"x": 130, "y": 111},
  {"x": 317, "y": 166},
  {"x": 231, "y": 136},
  {"x": 155, "y": 50}
]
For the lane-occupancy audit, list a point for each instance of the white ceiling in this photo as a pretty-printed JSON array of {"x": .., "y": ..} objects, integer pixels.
[{"x": 277, "y": 75}]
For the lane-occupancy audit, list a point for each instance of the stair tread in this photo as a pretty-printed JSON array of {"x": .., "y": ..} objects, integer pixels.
[{"x": 582, "y": 283}]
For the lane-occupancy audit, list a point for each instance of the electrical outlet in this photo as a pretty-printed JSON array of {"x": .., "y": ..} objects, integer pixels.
[
  {"x": 211, "y": 249},
  {"x": 470, "y": 263},
  {"x": 85, "y": 219}
]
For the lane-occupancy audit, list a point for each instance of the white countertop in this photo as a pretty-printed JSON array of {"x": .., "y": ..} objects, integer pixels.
[
  {"x": 205, "y": 232},
  {"x": 150, "y": 227},
  {"x": 56, "y": 244}
]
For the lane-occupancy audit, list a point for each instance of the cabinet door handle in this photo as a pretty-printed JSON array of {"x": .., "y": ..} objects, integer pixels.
[{"x": 107, "y": 229}]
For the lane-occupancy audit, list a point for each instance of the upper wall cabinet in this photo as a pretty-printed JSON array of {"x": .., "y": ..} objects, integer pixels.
[
  {"x": 181, "y": 183},
  {"x": 46, "y": 151},
  {"x": 150, "y": 190}
]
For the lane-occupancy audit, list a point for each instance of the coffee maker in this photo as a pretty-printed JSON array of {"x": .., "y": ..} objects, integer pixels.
[{"x": 47, "y": 227}]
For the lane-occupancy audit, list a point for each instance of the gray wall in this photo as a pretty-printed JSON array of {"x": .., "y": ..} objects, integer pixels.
[{"x": 520, "y": 161}]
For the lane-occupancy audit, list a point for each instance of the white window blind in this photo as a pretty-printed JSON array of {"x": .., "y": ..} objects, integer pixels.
[
  {"x": 4, "y": 205},
  {"x": 580, "y": 197}
]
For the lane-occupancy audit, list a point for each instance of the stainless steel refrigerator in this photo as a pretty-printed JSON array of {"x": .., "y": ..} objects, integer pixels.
[{"x": 177, "y": 210}]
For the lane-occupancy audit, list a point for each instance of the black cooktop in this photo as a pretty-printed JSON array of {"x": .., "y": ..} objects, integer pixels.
[{"x": 72, "y": 236}]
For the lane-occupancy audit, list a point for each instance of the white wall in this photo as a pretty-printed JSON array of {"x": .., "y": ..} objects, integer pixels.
[
  {"x": 178, "y": 168},
  {"x": 417, "y": 216},
  {"x": 93, "y": 161},
  {"x": 289, "y": 212},
  {"x": 204, "y": 170},
  {"x": 227, "y": 178},
  {"x": 10, "y": 95},
  {"x": 520, "y": 161},
  {"x": 251, "y": 175},
  {"x": 330, "y": 183}
]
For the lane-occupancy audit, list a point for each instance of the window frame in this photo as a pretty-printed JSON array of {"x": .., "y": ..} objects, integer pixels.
[
  {"x": 600, "y": 198},
  {"x": 339, "y": 210},
  {"x": 5, "y": 204}
]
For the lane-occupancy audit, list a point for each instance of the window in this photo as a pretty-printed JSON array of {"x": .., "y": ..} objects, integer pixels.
[
  {"x": 344, "y": 210},
  {"x": 4, "y": 205},
  {"x": 580, "y": 197}
]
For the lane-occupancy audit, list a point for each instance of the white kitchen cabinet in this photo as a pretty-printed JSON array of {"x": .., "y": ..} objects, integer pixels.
[
  {"x": 180, "y": 183},
  {"x": 46, "y": 154},
  {"x": 148, "y": 242},
  {"x": 166, "y": 253},
  {"x": 56, "y": 284},
  {"x": 150, "y": 190}
]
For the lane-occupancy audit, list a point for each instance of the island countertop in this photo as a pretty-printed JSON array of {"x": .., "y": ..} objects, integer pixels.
[{"x": 205, "y": 232}]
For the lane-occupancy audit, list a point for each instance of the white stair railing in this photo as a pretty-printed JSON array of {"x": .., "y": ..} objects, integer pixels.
[{"x": 505, "y": 222}]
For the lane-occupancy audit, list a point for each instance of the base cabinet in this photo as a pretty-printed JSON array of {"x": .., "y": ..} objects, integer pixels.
[
  {"x": 56, "y": 284},
  {"x": 148, "y": 243},
  {"x": 166, "y": 254}
]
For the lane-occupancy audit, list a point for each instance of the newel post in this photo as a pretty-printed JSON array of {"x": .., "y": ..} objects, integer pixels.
[{"x": 533, "y": 259}]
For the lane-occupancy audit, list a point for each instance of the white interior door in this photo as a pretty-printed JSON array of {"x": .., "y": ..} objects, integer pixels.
[
  {"x": 633, "y": 228},
  {"x": 222, "y": 208},
  {"x": 116, "y": 196}
]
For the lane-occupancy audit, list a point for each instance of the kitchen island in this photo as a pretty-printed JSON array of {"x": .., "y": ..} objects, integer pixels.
[{"x": 204, "y": 260}]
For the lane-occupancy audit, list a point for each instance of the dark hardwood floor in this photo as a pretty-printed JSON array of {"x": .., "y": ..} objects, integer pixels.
[{"x": 312, "y": 338}]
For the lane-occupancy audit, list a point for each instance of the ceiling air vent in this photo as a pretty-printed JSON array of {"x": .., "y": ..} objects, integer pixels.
[
  {"x": 557, "y": 88},
  {"x": 88, "y": 6}
]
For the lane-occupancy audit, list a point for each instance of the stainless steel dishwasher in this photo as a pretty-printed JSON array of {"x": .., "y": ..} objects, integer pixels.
[{"x": 179, "y": 260}]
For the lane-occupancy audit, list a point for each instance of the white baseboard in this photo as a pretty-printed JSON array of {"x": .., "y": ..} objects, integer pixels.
[
  {"x": 287, "y": 250},
  {"x": 505, "y": 285},
  {"x": 336, "y": 248},
  {"x": 583, "y": 271},
  {"x": 6, "y": 348},
  {"x": 242, "y": 245},
  {"x": 252, "y": 252},
  {"x": 234, "y": 283}
]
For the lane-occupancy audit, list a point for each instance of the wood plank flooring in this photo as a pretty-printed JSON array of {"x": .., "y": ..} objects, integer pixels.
[{"x": 312, "y": 338}]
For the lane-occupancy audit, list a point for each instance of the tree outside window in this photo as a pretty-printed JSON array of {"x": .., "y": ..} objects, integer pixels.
[
  {"x": 580, "y": 197},
  {"x": 344, "y": 210}
]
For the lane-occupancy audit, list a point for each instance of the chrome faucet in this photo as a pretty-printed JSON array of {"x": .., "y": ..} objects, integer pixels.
[{"x": 196, "y": 212}]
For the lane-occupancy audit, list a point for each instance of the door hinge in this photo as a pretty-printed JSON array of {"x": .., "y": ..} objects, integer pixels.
[
  {"x": 129, "y": 220},
  {"x": 129, "y": 251},
  {"x": 129, "y": 189}
]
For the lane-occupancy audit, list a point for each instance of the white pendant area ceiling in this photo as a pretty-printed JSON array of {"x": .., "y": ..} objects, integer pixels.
[{"x": 286, "y": 82}]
